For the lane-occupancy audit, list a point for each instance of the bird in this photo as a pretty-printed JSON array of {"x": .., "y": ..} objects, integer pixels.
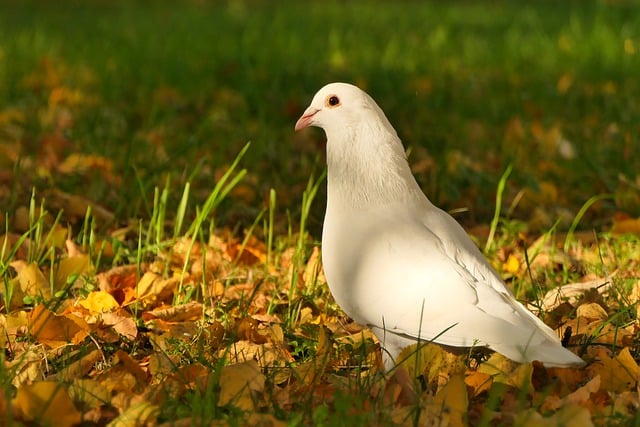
[{"x": 395, "y": 262}]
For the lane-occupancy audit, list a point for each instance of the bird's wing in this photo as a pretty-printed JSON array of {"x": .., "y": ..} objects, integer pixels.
[{"x": 409, "y": 283}]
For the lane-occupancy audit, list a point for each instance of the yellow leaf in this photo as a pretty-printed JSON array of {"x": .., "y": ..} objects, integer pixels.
[
  {"x": 433, "y": 361},
  {"x": 570, "y": 415},
  {"x": 310, "y": 372},
  {"x": 46, "y": 403},
  {"x": 139, "y": 414},
  {"x": 449, "y": 405},
  {"x": 618, "y": 374},
  {"x": 505, "y": 371},
  {"x": 31, "y": 279},
  {"x": 99, "y": 302},
  {"x": 90, "y": 392},
  {"x": 69, "y": 267},
  {"x": 239, "y": 382}
]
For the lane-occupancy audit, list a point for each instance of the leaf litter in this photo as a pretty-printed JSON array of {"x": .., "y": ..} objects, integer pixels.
[{"x": 119, "y": 352}]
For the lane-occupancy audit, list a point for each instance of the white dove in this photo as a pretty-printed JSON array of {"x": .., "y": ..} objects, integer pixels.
[{"x": 397, "y": 263}]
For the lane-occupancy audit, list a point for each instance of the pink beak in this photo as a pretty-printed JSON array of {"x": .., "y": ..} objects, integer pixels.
[{"x": 306, "y": 119}]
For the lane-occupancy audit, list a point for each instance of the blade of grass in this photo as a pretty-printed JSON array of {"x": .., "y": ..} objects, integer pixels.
[{"x": 496, "y": 215}]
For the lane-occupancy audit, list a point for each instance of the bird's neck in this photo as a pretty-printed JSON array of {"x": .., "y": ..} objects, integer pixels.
[{"x": 369, "y": 172}]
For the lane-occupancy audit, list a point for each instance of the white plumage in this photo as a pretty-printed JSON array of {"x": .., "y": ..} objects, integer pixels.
[{"x": 397, "y": 263}]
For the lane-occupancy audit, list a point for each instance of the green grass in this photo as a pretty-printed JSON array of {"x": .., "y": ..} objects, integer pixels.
[
  {"x": 171, "y": 93},
  {"x": 179, "y": 90}
]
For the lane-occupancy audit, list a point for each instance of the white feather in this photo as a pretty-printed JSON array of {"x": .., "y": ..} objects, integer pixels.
[{"x": 397, "y": 263}]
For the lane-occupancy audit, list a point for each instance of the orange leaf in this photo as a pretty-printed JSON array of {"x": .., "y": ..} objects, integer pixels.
[
  {"x": 56, "y": 330},
  {"x": 48, "y": 403}
]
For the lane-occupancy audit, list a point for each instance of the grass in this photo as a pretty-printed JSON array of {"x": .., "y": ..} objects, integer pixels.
[
  {"x": 156, "y": 103},
  {"x": 472, "y": 87}
]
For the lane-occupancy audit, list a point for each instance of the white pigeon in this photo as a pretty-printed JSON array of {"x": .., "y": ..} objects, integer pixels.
[{"x": 397, "y": 263}]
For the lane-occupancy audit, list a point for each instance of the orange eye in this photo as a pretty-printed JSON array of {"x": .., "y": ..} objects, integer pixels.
[{"x": 332, "y": 101}]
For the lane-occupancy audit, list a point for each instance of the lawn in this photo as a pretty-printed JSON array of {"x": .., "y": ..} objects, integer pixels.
[{"x": 120, "y": 120}]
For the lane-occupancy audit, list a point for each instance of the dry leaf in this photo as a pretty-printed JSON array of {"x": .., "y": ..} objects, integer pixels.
[
  {"x": 571, "y": 293},
  {"x": 449, "y": 405},
  {"x": 70, "y": 268},
  {"x": 618, "y": 374},
  {"x": 32, "y": 280},
  {"x": 592, "y": 311},
  {"x": 567, "y": 416},
  {"x": 176, "y": 313},
  {"x": 240, "y": 384},
  {"x": 478, "y": 382},
  {"x": 433, "y": 361},
  {"x": 140, "y": 414},
  {"x": 99, "y": 302},
  {"x": 79, "y": 368},
  {"x": 89, "y": 392},
  {"x": 122, "y": 322},
  {"x": 56, "y": 330},
  {"x": 46, "y": 402},
  {"x": 505, "y": 371}
]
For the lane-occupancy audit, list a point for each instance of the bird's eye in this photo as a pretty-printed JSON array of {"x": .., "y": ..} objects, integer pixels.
[{"x": 332, "y": 101}]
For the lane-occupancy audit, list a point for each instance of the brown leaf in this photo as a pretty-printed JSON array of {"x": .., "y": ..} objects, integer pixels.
[
  {"x": 79, "y": 368},
  {"x": 176, "y": 313},
  {"x": 122, "y": 322}
]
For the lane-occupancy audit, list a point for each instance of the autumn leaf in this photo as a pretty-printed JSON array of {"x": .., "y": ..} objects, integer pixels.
[
  {"x": 240, "y": 385},
  {"x": 618, "y": 374},
  {"x": 56, "y": 330},
  {"x": 450, "y": 403},
  {"x": 46, "y": 402},
  {"x": 507, "y": 372},
  {"x": 99, "y": 302}
]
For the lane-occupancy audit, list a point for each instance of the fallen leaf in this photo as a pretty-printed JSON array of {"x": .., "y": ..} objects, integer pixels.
[
  {"x": 140, "y": 414},
  {"x": 592, "y": 311},
  {"x": 478, "y": 382},
  {"x": 79, "y": 368},
  {"x": 507, "y": 372},
  {"x": 32, "y": 280},
  {"x": 99, "y": 302},
  {"x": 450, "y": 403},
  {"x": 618, "y": 374},
  {"x": 56, "y": 330},
  {"x": 176, "y": 313},
  {"x": 89, "y": 392},
  {"x": 568, "y": 416},
  {"x": 240, "y": 383},
  {"x": 432, "y": 361},
  {"x": 46, "y": 402}
]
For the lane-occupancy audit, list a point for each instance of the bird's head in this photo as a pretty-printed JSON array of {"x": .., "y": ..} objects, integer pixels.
[{"x": 339, "y": 107}]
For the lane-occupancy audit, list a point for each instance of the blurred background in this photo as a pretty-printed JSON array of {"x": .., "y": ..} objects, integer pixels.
[{"x": 102, "y": 101}]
